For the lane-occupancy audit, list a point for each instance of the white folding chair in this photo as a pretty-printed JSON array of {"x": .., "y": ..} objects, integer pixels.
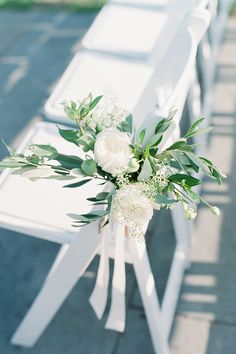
[
  {"x": 200, "y": 95},
  {"x": 136, "y": 31},
  {"x": 47, "y": 220},
  {"x": 130, "y": 31},
  {"x": 145, "y": 34}
]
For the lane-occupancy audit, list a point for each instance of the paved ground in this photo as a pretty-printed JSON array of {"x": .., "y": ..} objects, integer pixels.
[{"x": 35, "y": 48}]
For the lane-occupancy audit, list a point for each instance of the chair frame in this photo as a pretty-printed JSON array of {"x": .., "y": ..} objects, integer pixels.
[{"x": 69, "y": 267}]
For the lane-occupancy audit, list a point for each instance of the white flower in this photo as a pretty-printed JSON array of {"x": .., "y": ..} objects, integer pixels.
[
  {"x": 131, "y": 208},
  {"x": 108, "y": 113},
  {"x": 215, "y": 210},
  {"x": 189, "y": 213},
  {"x": 113, "y": 153}
]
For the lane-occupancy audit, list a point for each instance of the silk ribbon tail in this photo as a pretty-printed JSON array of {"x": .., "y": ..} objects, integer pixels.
[
  {"x": 98, "y": 298},
  {"x": 116, "y": 317}
]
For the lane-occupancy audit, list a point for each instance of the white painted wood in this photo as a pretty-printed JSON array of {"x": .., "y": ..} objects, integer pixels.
[
  {"x": 136, "y": 29},
  {"x": 148, "y": 293},
  {"x": 126, "y": 31},
  {"x": 131, "y": 81},
  {"x": 58, "y": 282},
  {"x": 73, "y": 263},
  {"x": 172, "y": 291}
]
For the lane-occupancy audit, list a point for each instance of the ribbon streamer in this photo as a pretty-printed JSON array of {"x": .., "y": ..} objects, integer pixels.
[
  {"x": 98, "y": 299},
  {"x": 116, "y": 317}
]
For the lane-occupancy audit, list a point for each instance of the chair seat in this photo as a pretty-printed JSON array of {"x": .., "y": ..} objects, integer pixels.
[
  {"x": 126, "y": 30},
  {"x": 45, "y": 202},
  {"x": 90, "y": 72},
  {"x": 40, "y": 208}
]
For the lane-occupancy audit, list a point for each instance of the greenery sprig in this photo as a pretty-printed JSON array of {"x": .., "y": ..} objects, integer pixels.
[{"x": 135, "y": 165}]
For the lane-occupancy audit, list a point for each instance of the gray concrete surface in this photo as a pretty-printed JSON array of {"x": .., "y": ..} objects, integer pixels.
[{"x": 35, "y": 48}]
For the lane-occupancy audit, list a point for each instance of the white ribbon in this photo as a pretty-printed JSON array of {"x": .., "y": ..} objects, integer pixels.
[
  {"x": 116, "y": 317},
  {"x": 98, "y": 299}
]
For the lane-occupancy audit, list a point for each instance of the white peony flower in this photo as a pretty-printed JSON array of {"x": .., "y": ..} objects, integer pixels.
[
  {"x": 113, "y": 153},
  {"x": 131, "y": 208}
]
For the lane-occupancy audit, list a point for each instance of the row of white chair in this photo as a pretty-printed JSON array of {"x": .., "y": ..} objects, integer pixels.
[
  {"x": 141, "y": 84},
  {"x": 201, "y": 90}
]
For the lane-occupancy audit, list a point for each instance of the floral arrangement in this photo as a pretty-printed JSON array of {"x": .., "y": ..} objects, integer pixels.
[{"x": 143, "y": 175}]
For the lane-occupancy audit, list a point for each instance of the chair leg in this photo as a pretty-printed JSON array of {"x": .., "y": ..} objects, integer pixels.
[
  {"x": 147, "y": 289},
  {"x": 173, "y": 287},
  {"x": 74, "y": 261},
  {"x": 180, "y": 262},
  {"x": 183, "y": 229}
]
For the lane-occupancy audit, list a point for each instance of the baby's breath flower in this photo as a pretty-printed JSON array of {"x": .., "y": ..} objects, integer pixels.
[
  {"x": 122, "y": 180},
  {"x": 162, "y": 174},
  {"x": 132, "y": 208},
  {"x": 189, "y": 213},
  {"x": 108, "y": 113}
]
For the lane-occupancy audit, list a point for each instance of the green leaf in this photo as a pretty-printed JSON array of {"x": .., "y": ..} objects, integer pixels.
[
  {"x": 180, "y": 145},
  {"x": 11, "y": 151},
  {"x": 177, "y": 157},
  {"x": 127, "y": 125},
  {"x": 89, "y": 217},
  {"x": 94, "y": 103},
  {"x": 198, "y": 132},
  {"x": 44, "y": 150},
  {"x": 102, "y": 195},
  {"x": 155, "y": 140},
  {"x": 193, "y": 165},
  {"x": 70, "y": 135},
  {"x": 162, "y": 199},
  {"x": 77, "y": 184},
  {"x": 99, "y": 197},
  {"x": 189, "y": 180},
  {"x": 77, "y": 172},
  {"x": 194, "y": 128},
  {"x": 11, "y": 164},
  {"x": 163, "y": 125},
  {"x": 208, "y": 162},
  {"x": 69, "y": 161},
  {"x": 87, "y": 143},
  {"x": 38, "y": 172},
  {"x": 89, "y": 167},
  {"x": 142, "y": 135},
  {"x": 194, "y": 196},
  {"x": 198, "y": 162},
  {"x": 217, "y": 175},
  {"x": 137, "y": 151},
  {"x": 146, "y": 171},
  {"x": 34, "y": 159}
]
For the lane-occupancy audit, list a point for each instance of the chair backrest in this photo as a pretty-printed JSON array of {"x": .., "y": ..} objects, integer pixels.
[
  {"x": 92, "y": 72},
  {"x": 126, "y": 31},
  {"x": 161, "y": 5},
  {"x": 136, "y": 31},
  {"x": 133, "y": 81},
  {"x": 173, "y": 77},
  {"x": 150, "y": 4}
]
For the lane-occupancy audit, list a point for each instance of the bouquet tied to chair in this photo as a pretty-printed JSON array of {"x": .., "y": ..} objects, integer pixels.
[
  {"x": 140, "y": 172},
  {"x": 143, "y": 175}
]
